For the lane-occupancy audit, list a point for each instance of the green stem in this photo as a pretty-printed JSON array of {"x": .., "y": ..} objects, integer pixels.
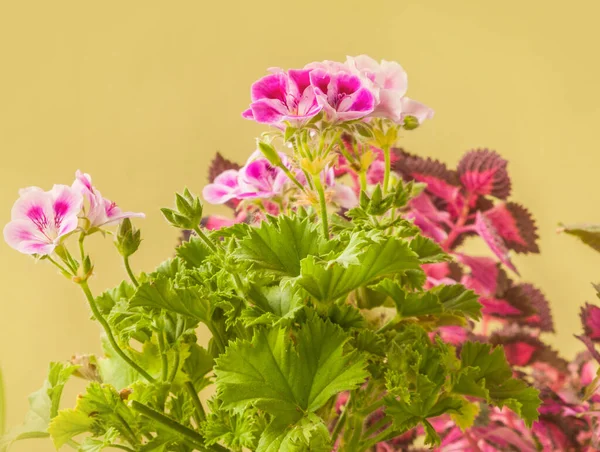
[
  {"x": 388, "y": 167},
  {"x": 60, "y": 267},
  {"x": 129, "y": 272},
  {"x": 363, "y": 180},
  {"x": 205, "y": 239},
  {"x": 376, "y": 426},
  {"x": 323, "y": 205},
  {"x": 81, "y": 250},
  {"x": 356, "y": 429},
  {"x": 200, "y": 413},
  {"x": 169, "y": 424},
  {"x": 368, "y": 410},
  {"x": 109, "y": 334},
  {"x": 163, "y": 355},
  {"x": 341, "y": 421}
]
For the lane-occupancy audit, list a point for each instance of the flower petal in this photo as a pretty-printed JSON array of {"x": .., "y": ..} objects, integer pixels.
[{"x": 25, "y": 237}]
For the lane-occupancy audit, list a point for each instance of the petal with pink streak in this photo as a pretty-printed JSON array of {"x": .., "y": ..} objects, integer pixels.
[
  {"x": 66, "y": 202},
  {"x": 33, "y": 204},
  {"x": 229, "y": 178},
  {"x": 273, "y": 86},
  {"x": 268, "y": 111},
  {"x": 218, "y": 194},
  {"x": 25, "y": 237}
]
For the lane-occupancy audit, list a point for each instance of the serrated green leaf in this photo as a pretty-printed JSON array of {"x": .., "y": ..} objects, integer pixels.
[
  {"x": 161, "y": 293},
  {"x": 282, "y": 379},
  {"x": 68, "y": 424},
  {"x": 193, "y": 252},
  {"x": 96, "y": 445},
  {"x": 428, "y": 250},
  {"x": 410, "y": 304},
  {"x": 328, "y": 281},
  {"x": 485, "y": 373},
  {"x": 308, "y": 434},
  {"x": 457, "y": 298},
  {"x": 279, "y": 244}
]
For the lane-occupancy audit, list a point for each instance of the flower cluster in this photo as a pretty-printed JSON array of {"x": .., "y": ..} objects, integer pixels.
[
  {"x": 360, "y": 88},
  {"x": 42, "y": 220}
]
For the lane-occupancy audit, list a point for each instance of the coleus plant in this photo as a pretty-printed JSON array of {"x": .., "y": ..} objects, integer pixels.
[{"x": 330, "y": 305}]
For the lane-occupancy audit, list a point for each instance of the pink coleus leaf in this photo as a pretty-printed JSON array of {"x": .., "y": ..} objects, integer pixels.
[
  {"x": 590, "y": 319},
  {"x": 483, "y": 172},
  {"x": 484, "y": 275},
  {"x": 515, "y": 225},
  {"x": 487, "y": 231},
  {"x": 440, "y": 181},
  {"x": 542, "y": 318},
  {"x": 523, "y": 349}
]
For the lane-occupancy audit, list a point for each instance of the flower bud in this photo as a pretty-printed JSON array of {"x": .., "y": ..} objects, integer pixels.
[
  {"x": 128, "y": 238},
  {"x": 410, "y": 123},
  {"x": 270, "y": 153},
  {"x": 188, "y": 213}
]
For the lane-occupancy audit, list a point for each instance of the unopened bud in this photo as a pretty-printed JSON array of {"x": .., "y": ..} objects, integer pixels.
[{"x": 128, "y": 238}]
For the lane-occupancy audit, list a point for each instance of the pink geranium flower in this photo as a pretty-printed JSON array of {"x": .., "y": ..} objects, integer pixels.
[
  {"x": 342, "y": 95},
  {"x": 258, "y": 178},
  {"x": 98, "y": 211},
  {"x": 391, "y": 83},
  {"x": 224, "y": 188},
  {"x": 40, "y": 220},
  {"x": 283, "y": 96}
]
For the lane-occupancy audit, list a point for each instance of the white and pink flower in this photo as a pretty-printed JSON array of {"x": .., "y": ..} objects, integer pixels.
[
  {"x": 97, "y": 211},
  {"x": 40, "y": 220}
]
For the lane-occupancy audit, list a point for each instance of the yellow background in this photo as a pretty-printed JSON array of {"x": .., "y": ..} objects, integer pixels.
[{"x": 141, "y": 95}]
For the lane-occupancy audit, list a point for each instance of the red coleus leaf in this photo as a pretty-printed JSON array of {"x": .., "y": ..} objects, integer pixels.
[
  {"x": 217, "y": 166},
  {"x": 483, "y": 172},
  {"x": 590, "y": 319},
  {"x": 522, "y": 349},
  {"x": 485, "y": 277},
  {"x": 542, "y": 318},
  {"x": 487, "y": 231},
  {"x": 440, "y": 181},
  {"x": 220, "y": 164},
  {"x": 515, "y": 225}
]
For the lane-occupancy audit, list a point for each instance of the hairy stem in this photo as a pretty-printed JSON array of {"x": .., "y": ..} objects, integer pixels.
[
  {"x": 129, "y": 272},
  {"x": 388, "y": 168},
  {"x": 205, "y": 239},
  {"x": 200, "y": 413},
  {"x": 341, "y": 421},
  {"x": 98, "y": 315},
  {"x": 163, "y": 356},
  {"x": 193, "y": 437},
  {"x": 322, "y": 205}
]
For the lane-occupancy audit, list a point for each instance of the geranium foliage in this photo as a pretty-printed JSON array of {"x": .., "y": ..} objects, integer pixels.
[{"x": 340, "y": 311}]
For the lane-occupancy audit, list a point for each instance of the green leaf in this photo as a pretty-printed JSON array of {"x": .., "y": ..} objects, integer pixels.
[
  {"x": 96, "y": 445},
  {"x": 428, "y": 250},
  {"x": 43, "y": 406},
  {"x": 410, "y": 304},
  {"x": 68, "y": 424},
  {"x": 161, "y": 293},
  {"x": 328, "y": 281},
  {"x": 193, "y": 252},
  {"x": 272, "y": 304},
  {"x": 587, "y": 233},
  {"x": 99, "y": 410},
  {"x": 108, "y": 299},
  {"x": 234, "y": 430},
  {"x": 457, "y": 298},
  {"x": 286, "y": 380},
  {"x": 279, "y": 244},
  {"x": 485, "y": 373},
  {"x": 197, "y": 365},
  {"x": 309, "y": 433}
]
